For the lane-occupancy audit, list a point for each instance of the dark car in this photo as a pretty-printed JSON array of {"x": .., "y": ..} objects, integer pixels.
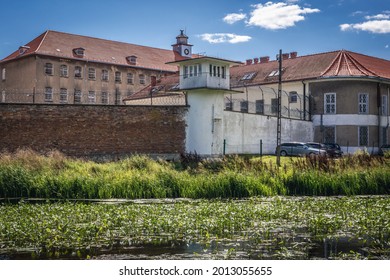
[
  {"x": 384, "y": 149},
  {"x": 298, "y": 149},
  {"x": 332, "y": 149}
]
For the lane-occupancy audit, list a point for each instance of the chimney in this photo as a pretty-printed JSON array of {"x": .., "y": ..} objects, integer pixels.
[
  {"x": 255, "y": 60},
  {"x": 293, "y": 54},
  {"x": 248, "y": 61},
  {"x": 285, "y": 56},
  {"x": 264, "y": 59}
]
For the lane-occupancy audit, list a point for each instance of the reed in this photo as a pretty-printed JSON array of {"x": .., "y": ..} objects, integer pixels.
[{"x": 28, "y": 174}]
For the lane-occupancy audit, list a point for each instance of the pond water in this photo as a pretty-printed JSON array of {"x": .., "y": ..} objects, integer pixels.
[{"x": 261, "y": 228}]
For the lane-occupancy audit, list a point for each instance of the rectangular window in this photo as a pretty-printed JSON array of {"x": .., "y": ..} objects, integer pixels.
[
  {"x": 330, "y": 103},
  {"x": 104, "y": 75},
  {"x": 48, "y": 94},
  {"x": 48, "y": 68},
  {"x": 91, "y": 73},
  {"x": 63, "y": 95},
  {"x": 384, "y": 135},
  {"x": 130, "y": 78},
  {"x": 244, "y": 106},
  {"x": 363, "y": 135},
  {"x": 117, "y": 97},
  {"x": 64, "y": 71},
  {"x": 91, "y": 97},
  {"x": 363, "y": 103},
  {"x": 196, "y": 70},
  {"x": 384, "y": 105},
  {"x": 223, "y": 72},
  {"x": 293, "y": 97},
  {"x": 3, "y": 74},
  {"x": 118, "y": 77},
  {"x": 191, "y": 71},
  {"x": 260, "y": 106},
  {"x": 329, "y": 134},
  {"x": 77, "y": 96},
  {"x": 211, "y": 70},
  {"x": 185, "y": 74},
  {"x": 78, "y": 71},
  {"x": 142, "y": 79},
  {"x": 274, "y": 106},
  {"x": 104, "y": 97}
]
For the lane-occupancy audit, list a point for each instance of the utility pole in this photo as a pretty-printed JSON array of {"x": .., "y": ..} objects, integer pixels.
[{"x": 279, "y": 118}]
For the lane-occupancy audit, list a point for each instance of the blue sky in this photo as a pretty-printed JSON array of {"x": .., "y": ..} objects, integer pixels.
[{"x": 231, "y": 29}]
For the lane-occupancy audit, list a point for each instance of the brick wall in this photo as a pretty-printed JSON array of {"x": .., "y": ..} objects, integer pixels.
[{"x": 93, "y": 131}]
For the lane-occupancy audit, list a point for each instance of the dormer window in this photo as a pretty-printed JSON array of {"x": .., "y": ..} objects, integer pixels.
[
  {"x": 79, "y": 52},
  {"x": 23, "y": 49},
  {"x": 132, "y": 59},
  {"x": 248, "y": 76},
  {"x": 275, "y": 73}
]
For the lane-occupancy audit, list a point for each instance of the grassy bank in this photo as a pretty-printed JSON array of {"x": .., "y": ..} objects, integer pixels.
[{"x": 28, "y": 174}]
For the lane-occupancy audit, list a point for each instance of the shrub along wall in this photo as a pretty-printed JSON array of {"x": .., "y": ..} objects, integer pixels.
[{"x": 93, "y": 130}]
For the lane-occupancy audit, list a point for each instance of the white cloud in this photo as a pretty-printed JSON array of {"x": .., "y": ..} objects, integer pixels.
[
  {"x": 232, "y": 18},
  {"x": 217, "y": 38},
  {"x": 373, "y": 26},
  {"x": 378, "y": 17},
  {"x": 278, "y": 15}
]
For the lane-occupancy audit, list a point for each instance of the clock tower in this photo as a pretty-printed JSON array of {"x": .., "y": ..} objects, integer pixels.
[{"x": 182, "y": 47}]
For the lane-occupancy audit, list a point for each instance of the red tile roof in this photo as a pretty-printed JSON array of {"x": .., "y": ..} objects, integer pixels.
[
  {"x": 59, "y": 44},
  {"x": 331, "y": 64}
]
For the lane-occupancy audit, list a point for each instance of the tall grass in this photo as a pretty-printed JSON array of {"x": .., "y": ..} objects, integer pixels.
[{"x": 28, "y": 174}]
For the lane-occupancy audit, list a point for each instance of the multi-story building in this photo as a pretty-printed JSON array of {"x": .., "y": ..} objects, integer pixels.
[{"x": 64, "y": 68}]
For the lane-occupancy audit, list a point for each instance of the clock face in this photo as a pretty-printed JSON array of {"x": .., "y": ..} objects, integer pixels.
[{"x": 186, "y": 51}]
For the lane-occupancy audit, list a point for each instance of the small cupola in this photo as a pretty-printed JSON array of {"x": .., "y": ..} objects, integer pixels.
[{"x": 182, "y": 47}]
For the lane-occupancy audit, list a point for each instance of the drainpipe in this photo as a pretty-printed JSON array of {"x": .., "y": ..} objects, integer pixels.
[
  {"x": 304, "y": 100},
  {"x": 378, "y": 92}
]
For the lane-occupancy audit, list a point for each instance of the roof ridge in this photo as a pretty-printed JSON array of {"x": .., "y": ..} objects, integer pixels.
[
  {"x": 43, "y": 39},
  {"x": 360, "y": 66}
]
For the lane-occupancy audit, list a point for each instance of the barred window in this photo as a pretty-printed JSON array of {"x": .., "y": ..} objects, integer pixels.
[
  {"x": 118, "y": 77},
  {"x": 48, "y": 68},
  {"x": 330, "y": 103},
  {"x": 260, "y": 106},
  {"x": 142, "y": 79},
  {"x": 104, "y": 97},
  {"x": 91, "y": 97},
  {"x": 77, "y": 96},
  {"x": 48, "y": 94},
  {"x": 63, "y": 95},
  {"x": 329, "y": 134},
  {"x": 91, "y": 73},
  {"x": 363, "y": 103},
  {"x": 104, "y": 75},
  {"x": 78, "y": 71},
  {"x": 130, "y": 78},
  {"x": 64, "y": 71},
  {"x": 363, "y": 135}
]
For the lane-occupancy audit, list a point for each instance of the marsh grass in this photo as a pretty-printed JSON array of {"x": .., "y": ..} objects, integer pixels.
[{"x": 55, "y": 176}]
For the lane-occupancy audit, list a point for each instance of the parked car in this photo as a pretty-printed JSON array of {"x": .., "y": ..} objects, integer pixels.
[
  {"x": 384, "y": 149},
  {"x": 298, "y": 149},
  {"x": 332, "y": 149}
]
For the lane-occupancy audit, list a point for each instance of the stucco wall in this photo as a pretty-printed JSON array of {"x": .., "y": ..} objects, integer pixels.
[{"x": 243, "y": 132}]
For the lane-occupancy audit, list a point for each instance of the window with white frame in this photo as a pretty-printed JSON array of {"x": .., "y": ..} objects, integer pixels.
[
  {"x": 91, "y": 97},
  {"x": 363, "y": 103},
  {"x": 142, "y": 79},
  {"x": 118, "y": 77},
  {"x": 64, "y": 70},
  {"x": 63, "y": 95},
  {"x": 78, "y": 72},
  {"x": 91, "y": 73},
  {"x": 363, "y": 135},
  {"x": 330, "y": 103},
  {"x": 104, "y": 75},
  {"x": 130, "y": 78},
  {"x": 77, "y": 96},
  {"x": 104, "y": 97},
  {"x": 48, "y": 94},
  {"x": 3, "y": 74},
  {"x": 117, "y": 97},
  {"x": 185, "y": 72},
  {"x": 293, "y": 97},
  {"x": 48, "y": 68},
  {"x": 384, "y": 105}
]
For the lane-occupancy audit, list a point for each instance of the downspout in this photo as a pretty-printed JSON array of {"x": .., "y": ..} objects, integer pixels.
[
  {"x": 304, "y": 100},
  {"x": 378, "y": 95}
]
